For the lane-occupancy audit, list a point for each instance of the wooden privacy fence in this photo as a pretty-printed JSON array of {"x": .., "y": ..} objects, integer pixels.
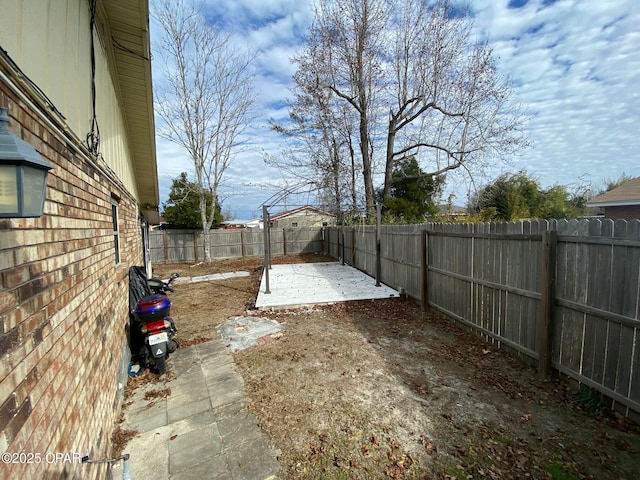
[
  {"x": 183, "y": 246},
  {"x": 565, "y": 293}
]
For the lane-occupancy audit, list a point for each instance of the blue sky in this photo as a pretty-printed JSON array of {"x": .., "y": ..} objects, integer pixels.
[{"x": 575, "y": 66}]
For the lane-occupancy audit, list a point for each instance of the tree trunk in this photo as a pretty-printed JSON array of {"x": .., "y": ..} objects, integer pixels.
[
  {"x": 205, "y": 228},
  {"x": 335, "y": 159},
  {"x": 354, "y": 196},
  {"x": 388, "y": 170},
  {"x": 366, "y": 161}
]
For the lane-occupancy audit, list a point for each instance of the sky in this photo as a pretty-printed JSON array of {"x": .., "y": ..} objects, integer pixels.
[{"x": 574, "y": 66}]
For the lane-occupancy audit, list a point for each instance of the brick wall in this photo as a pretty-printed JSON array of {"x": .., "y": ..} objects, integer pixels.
[
  {"x": 63, "y": 310},
  {"x": 626, "y": 212}
]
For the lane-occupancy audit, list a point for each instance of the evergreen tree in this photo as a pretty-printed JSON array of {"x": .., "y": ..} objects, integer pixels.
[
  {"x": 413, "y": 196},
  {"x": 182, "y": 209},
  {"x": 519, "y": 196}
]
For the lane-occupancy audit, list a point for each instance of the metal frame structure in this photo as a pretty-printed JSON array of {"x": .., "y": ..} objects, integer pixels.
[{"x": 267, "y": 244}]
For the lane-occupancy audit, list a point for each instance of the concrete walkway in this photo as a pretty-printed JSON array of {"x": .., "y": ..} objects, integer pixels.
[
  {"x": 208, "y": 278},
  {"x": 202, "y": 429}
]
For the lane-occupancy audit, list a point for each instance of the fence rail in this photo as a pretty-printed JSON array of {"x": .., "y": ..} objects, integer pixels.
[
  {"x": 570, "y": 300},
  {"x": 183, "y": 246}
]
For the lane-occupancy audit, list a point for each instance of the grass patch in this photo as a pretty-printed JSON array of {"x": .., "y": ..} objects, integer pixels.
[{"x": 557, "y": 472}]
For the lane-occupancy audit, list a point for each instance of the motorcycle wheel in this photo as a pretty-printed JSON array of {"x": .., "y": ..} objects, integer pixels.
[{"x": 161, "y": 364}]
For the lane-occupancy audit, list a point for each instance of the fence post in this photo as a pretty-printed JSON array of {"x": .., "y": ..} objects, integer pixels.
[
  {"x": 165, "y": 246},
  {"x": 195, "y": 246},
  {"x": 267, "y": 247},
  {"x": 378, "y": 245},
  {"x": 547, "y": 300},
  {"x": 243, "y": 241},
  {"x": 424, "y": 266},
  {"x": 324, "y": 242},
  {"x": 353, "y": 246}
]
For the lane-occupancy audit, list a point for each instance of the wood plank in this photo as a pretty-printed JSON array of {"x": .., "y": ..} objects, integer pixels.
[
  {"x": 625, "y": 357},
  {"x": 619, "y": 271},
  {"x": 601, "y": 329},
  {"x": 611, "y": 363},
  {"x": 531, "y": 331},
  {"x": 498, "y": 324},
  {"x": 581, "y": 274},
  {"x": 634, "y": 387},
  {"x": 512, "y": 317},
  {"x": 572, "y": 328},
  {"x": 598, "y": 272},
  {"x": 588, "y": 349},
  {"x": 630, "y": 307},
  {"x": 556, "y": 335}
]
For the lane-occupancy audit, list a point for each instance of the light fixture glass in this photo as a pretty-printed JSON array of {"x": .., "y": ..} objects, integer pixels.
[
  {"x": 8, "y": 189},
  {"x": 23, "y": 175}
]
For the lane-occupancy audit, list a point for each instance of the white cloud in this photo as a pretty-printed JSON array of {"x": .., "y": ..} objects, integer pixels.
[{"x": 575, "y": 65}]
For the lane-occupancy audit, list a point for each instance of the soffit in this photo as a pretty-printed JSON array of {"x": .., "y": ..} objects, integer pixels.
[{"x": 128, "y": 26}]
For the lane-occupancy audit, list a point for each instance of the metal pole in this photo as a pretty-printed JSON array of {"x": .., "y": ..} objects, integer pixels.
[
  {"x": 378, "y": 261},
  {"x": 547, "y": 301},
  {"x": 267, "y": 257},
  {"x": 126, "y": 475},
  {"x": 424, "y": 269}
]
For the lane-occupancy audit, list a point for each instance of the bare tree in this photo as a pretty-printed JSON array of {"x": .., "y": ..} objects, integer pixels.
[
  {"x": 448, "y": 106},
  {"x": 343, "y": 54},
  {"x": 416, "y": 64},
  {"x": 321, "y": 137},
  {"x": 206, "y": 100}
]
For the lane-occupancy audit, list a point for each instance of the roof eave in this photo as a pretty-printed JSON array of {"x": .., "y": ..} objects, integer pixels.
[
  {"x": 619, "y": 203},
  {"x": 129, "y": 27}
]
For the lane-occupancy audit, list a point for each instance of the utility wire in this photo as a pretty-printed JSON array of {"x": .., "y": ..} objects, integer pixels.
[{"x": 93, "y": 137}]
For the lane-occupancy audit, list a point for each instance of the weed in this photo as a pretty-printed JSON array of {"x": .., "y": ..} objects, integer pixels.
[
  {"x": 334, "y": 474},
  {"x": 590, "y": 400},
  {"x": 557, "y": 472}
]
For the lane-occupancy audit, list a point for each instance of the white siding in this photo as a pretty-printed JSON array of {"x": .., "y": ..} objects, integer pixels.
[{"x": 50, "y": 40}]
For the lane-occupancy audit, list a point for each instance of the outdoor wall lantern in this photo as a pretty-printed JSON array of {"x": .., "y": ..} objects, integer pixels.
[{"x": 23, "y": 175}]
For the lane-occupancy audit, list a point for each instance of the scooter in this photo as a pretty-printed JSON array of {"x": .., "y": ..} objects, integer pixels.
[{"x": 156, "y": 326}]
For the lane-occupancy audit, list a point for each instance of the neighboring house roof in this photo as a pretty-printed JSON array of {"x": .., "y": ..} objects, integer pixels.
[
  {"x": 299, "y": 210},
  {"x": 626, "y": 194},
  {"x": 255, "y": 223},
  {"x": 128, "y": 26},
  {"x": 241, "y": 223}
]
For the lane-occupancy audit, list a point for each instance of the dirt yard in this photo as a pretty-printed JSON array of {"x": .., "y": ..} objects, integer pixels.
[{"x": 380, "y": 389}]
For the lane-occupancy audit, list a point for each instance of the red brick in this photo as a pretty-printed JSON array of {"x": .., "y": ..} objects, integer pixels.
[
  {"x": 7, "y": 301},
  {"x": 70, "y": 260},
  {"x": 15, "y": 276}
]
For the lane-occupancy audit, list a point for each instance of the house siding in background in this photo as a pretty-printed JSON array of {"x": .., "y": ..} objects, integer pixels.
[
  {"x": 621, "y": 203},
  {"x": 303, "y": 217},
  {"x": 63, "y": 292},
  {"x": 622, "y": 212}
]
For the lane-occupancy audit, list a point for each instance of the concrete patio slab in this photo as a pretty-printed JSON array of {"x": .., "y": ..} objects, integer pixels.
[{"x": 305, "y": 284}]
